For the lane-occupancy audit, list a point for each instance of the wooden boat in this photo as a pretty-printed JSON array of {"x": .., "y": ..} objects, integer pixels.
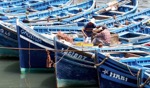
[
  {"x": 125, "y": 32},
  {"x": 135, "y": 23},
  {"x": 16, "y": 2},
  {"x": 23, "y": 55},
  {"x": 115, "y": 74},
  {"x": 123, "y": 8},
  {"x": 39, "y": 61},
  {"x": 34, "y": 6},
  {"x": 66, "y": 13},
  {"x": 82, "y": 19},
  {"x": 133, "y": 19},
  {"x": 139, "y": 62},
  {"x": 123, "y": 37},
  {"x": 36, "y": 43},
  {"x": 45, "y": 14},
  {"x": 74, "y": 68},
  {"x": 134, "y": 38},
  {"x": 8, "y": 32}
]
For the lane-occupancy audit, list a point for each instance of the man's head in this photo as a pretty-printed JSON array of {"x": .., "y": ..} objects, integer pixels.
[{"x": 92, "y": 20}]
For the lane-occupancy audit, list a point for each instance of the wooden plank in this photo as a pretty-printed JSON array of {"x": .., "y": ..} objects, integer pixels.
[
  {"x": 101, "y": 16},
  {"x": 117, "y": 12},
  {"x": 80, "y": 19},
  {"x": 128, "y": 6}
]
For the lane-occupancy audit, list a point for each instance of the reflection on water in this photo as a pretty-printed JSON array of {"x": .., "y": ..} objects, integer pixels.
[
  {"x": 40, "y": 80},
  {"x": 11, "y": 77}
]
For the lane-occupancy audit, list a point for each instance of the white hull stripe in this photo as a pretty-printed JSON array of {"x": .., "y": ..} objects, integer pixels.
[{"x": 35, "y": 43}]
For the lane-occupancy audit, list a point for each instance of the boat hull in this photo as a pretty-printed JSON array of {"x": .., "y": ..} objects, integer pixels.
[
  {"x": 8, "y": 47},
  {"x": 74, "y": 69},
  {"x": 34, "y": 53},
  {"x": 113, "y": 74}
]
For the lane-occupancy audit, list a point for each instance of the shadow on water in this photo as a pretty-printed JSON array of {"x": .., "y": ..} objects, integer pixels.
[
  {"x": 38, "y": 80},
  {"x": 13, "y": 68},
  {"x": 10, "y": 65},
  {"x": 49, "y": 82}
]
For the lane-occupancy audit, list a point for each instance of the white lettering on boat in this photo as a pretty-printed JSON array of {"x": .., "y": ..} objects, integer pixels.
[
  {"x": 31, "y": 36},
  {"x": 117, "y": 76},
  {"x": 114, "y": 75},
  {"x": 4, "y": 32},
  {"x": 74, "y": 55}
]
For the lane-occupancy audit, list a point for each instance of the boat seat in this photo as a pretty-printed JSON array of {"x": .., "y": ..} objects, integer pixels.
[
  {"x": 33, "y": 18},
  {"x": 117, "y": 12},
  {"x": 75, "y": 8},
  {"x": 128, "y": 6},
  {"x": 101, "y": 16},
  {"x": 80, "y": 19}
]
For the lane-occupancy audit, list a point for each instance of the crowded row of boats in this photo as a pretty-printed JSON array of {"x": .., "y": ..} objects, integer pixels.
[{"x": 30, "y": 30}]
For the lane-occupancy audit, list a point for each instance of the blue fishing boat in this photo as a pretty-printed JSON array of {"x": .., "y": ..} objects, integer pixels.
[
  {"x": 26, "y": 38},
  {"x": 136, "y": 22},
  {"x": 123, "y": 8},
  {"x": 74, "y": 65},
  {"x": 46, "y": 30},
  {"x": 134, "y": 38},
  {"x": 38, "y": 58},
  {"x": 100, "y": 13},
  {"x": 45, "y": 14},
  {"x": 115, "y": 74},
  {"x": 8, "y": 3},
  {"x": 74, "y": 68},
  {"x": 72, "y": 11},
  {"x": 34, "y": 6},
  {"x": 8, "y": 32},
  {"x": 25, "y": 54},
  {"x": 139, "y": 62}
]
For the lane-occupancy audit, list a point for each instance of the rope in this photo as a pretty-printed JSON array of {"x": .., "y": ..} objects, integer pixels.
[
  {"x": 101, "y": 62},
  {"x": 29, "y": 57},
  {"x": 130, "y": 71},
  {"x": 61, "y": 58},
  {"x": 142, "y": 85},
  {"x": 49, "y": 61},
  {"x": 54, "y": 50},
  {"x": 138, "y": 75}
]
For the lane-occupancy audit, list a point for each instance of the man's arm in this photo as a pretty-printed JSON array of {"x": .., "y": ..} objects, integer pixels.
[{"x": 84, "y": 33}]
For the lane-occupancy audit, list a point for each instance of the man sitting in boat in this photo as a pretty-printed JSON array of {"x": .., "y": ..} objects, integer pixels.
[
  {"x": 102, "y": 36},
  {"x": 87, "y": 30}
]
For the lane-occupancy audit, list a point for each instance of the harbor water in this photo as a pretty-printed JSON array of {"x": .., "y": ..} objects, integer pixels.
[{"x": 10, "y": 76}]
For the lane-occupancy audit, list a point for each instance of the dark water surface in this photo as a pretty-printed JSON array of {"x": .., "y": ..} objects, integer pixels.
[{"x": 10, "y": 76}]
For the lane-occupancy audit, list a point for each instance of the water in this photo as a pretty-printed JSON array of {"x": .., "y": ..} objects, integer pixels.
[{"x": 10, "y": 76}]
